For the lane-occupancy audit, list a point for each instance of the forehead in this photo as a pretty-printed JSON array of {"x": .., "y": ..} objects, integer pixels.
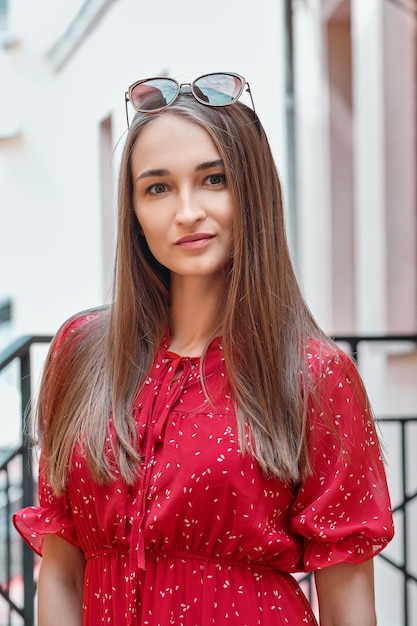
[{"x": 170, "y": 137}]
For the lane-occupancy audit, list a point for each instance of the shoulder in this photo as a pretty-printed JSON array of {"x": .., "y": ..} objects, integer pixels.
[
  {"x": 326, "y": 361},
  {"x": 72, "y": 327},
  {"x": 336, "y": 388}
]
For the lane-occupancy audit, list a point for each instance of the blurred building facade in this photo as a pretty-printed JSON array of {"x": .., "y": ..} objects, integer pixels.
[
  {"x": 355, "y": 94},
  {"x": 355, "y": 72},
  {"x": 346, "y": 78}
]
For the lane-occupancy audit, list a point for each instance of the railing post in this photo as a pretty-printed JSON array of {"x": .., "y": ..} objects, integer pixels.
[{"x": 27, "y": 487}]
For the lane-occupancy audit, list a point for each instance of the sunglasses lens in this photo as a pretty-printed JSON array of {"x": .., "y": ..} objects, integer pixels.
[
  {"x": 218, "y": 89},
  {"x": 153, "y": 94}
]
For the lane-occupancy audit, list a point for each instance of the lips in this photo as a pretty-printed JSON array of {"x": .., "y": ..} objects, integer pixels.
[
  {"x": 194, "y": 237},
  {"x": 194, "y": 240}
]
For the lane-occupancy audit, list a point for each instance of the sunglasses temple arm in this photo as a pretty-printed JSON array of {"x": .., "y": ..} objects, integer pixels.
[
  {"x": 250, "y": 94},
  {"x": 127, "y": 113}
]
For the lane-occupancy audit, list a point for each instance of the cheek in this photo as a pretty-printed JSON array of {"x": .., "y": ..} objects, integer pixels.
[
  {"x": 153, "y": 228},
  {"x": 229, "y": 221},
  {"x": 230, "y": 211},
  {"x": 153, "y": 231},
  {"x": 147, "y": 222}
]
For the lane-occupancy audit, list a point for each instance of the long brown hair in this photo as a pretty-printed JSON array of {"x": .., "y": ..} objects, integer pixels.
[{"x": 264, "y": 330}]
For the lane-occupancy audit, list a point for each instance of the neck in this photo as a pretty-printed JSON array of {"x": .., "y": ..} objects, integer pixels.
[{"x": 195, "y": 313}]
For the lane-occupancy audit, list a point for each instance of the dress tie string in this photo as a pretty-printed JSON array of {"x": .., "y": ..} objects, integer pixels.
[{"x": 156, "y": 399}]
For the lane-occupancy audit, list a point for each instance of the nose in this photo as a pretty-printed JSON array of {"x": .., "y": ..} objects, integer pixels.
[{"x": 189, "y": 209}]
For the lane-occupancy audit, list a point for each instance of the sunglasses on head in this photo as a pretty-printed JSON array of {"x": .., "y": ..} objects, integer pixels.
[{"x": 218, "y": 89}]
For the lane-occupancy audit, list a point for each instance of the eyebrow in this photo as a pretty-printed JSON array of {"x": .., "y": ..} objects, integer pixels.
[
  {"x": 209, "y": 164},
  {"x": 163, "y": 172},
  {"x": 152, "y": 173}
]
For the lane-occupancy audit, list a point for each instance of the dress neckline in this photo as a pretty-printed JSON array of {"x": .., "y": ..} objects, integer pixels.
[{"x": 215, "y": 343}]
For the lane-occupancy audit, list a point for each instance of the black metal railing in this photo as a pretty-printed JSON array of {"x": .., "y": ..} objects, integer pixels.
[
  {"x": 402, "y": 517},
  {"x": 20, "y": 351}
]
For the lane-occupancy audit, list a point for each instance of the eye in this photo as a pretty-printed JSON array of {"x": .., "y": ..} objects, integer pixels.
[
  {"x": 157, "y": 188},
  {"x": 216, "y": 180}
]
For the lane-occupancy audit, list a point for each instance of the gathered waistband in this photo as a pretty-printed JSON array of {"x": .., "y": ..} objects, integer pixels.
[
  {"x": 182, "y": 555},
  {"x": 209, "y": 559}
]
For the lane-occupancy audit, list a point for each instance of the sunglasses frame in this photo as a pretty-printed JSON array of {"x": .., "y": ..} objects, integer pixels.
[{"x": 243, "y": 83}]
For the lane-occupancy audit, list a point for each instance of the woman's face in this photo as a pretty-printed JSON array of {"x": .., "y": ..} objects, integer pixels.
[{"x": 181, "y": 197}]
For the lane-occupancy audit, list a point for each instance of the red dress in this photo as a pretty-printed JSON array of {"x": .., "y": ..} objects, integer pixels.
[{"x": 205, "y": 537}]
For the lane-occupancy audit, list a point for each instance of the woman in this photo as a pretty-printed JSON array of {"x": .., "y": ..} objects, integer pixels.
[{"x": 202, "y": 438}]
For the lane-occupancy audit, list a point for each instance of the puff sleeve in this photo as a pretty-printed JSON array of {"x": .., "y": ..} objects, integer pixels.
[
  {"x": 53, "y": 515},
  {"x": 342, "y": 511}
]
